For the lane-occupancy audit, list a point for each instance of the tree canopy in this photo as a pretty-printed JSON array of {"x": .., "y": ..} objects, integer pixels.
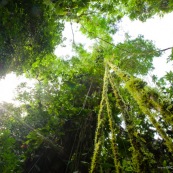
[{"x": 92, "y": 112}]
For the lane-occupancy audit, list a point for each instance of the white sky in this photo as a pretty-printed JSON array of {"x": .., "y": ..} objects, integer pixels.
[
  {"x": 78, "y": 38},
  {"x": 8, "y": 85},
  {"x": 160, "y": 30}
]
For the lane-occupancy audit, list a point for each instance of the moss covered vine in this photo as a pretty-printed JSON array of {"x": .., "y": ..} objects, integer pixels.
[
  {"x": 136, "y": 87},
  {"x": 110, "y": 120},
  {"x": 149, "y": 102},
  {"x": 136, "y": 147},
  {"x": 99, "y": 133}
]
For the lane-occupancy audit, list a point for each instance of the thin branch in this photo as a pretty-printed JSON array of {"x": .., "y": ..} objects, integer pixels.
[
  {"x": 98, "y": 37},
  {"x": 149, "y": 52},
  {"x": 162, "y": 50},
  {"x": 72, "y": 31},
  {"x": 84, "y": 103},
  {"x": 35, "y": 163}
]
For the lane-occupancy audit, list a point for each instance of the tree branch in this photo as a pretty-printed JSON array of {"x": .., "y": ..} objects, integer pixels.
[{"x": 162, "y": 50}]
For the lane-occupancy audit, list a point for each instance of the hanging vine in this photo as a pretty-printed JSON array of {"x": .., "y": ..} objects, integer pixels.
[
  {"x": 136, "y": 146},
  {"x": 113, "y": 135},
  {"x": 132, "y": 85},
  {"x": 99, "y": 131}
]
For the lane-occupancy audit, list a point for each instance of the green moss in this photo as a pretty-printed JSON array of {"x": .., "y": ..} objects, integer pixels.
[
  {"x": 95, "y": 156},
  {"x": 136, "y": 84}
]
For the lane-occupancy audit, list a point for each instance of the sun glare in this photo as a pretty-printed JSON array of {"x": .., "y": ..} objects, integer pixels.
[{"x": 7, "y": 87}]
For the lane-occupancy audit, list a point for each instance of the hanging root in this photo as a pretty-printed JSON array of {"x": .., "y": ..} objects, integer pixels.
[
  {"x": 113, "y": 135},
  {"x": 135, "y": 86}
]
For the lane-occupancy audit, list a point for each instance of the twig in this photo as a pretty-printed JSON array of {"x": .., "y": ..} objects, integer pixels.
[
  {"x": 72, "y": 31},
  {"x": 166, "y": 49},
  {"x": 96, "y": 37}
]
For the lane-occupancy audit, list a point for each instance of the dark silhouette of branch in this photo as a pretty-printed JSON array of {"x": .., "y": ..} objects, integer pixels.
[
  {"x": 162, "y": 50},
  {"x": 72, "y": 31},
  {"x": 149, "y": 52}
]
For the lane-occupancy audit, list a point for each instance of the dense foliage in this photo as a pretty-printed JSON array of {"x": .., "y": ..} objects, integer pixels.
[
  {"x": 89, "y": 113},
  {"x": 28, "y": 31}
]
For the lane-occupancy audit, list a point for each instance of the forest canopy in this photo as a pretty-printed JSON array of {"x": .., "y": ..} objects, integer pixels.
[{"x": 93, "y": 112}]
